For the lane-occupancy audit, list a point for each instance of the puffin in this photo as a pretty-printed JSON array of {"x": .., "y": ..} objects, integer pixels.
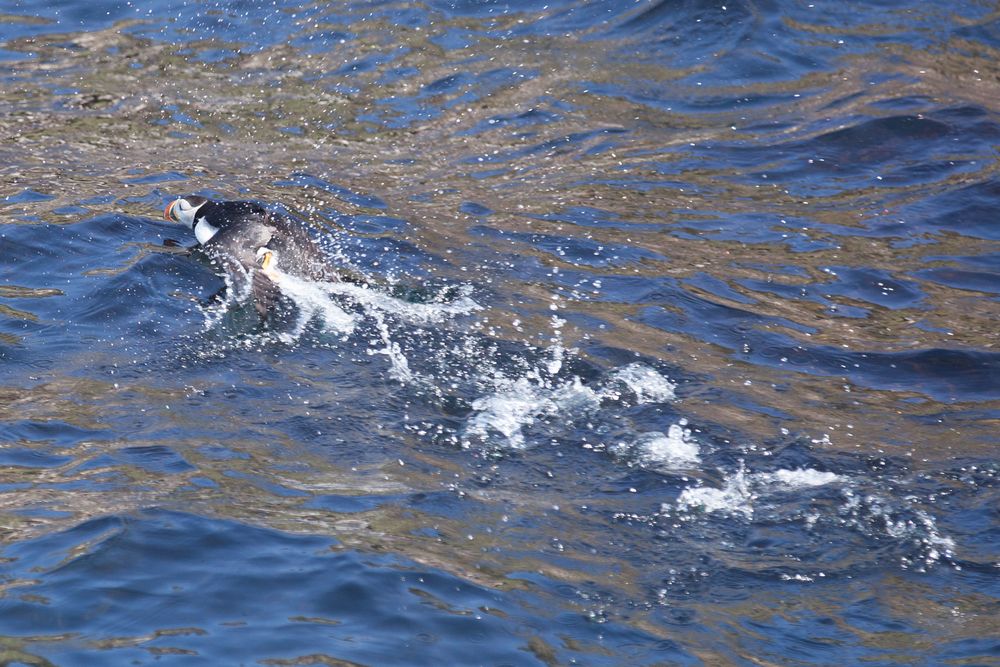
[{"x": 244, "y": 238}]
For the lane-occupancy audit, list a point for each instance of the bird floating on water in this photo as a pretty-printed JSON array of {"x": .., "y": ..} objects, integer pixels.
[{"x": 245, "y": 238}]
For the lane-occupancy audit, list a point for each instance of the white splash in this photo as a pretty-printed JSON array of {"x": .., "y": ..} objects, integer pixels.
[
  {"x": 800, "y": 478},
  {"x": 741, "y": 489},
  {"x": 938, "y": 545},
  {"x": 517, "y": 404},
  {"x": 676, "y": 448},
  {"x": 557, "y": 350},
  {"x": 877, "y": 515},
  {"x": 508, "y": 411},
  {"x": 215, "y": 312},
  {"x": 647, "y": 383},
  {"x": 654, "y": 449},
  {"x": 399, "y": 366},
  {"x": 735, "y": 497}
]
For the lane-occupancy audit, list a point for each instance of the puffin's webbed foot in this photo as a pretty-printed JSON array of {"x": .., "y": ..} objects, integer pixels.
[
  {"x": 218, "y": 296},
  {"x": 172, "y": 243}
]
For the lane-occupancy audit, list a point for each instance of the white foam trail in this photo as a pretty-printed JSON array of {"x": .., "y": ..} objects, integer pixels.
[
  {"x": 311, "y": 299},
  {"x": 314, "y": 298},
  {"x": 416, "y": 313}
]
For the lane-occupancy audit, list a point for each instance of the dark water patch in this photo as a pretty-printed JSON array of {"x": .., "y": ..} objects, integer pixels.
[
  {"x": 472, "y": 208},
  {"x": 718, "y": 323},
  {"x": 320, "y": 41},
  {"x": 443, "y": 504},
  {"x": 396, "y": 74},
  {"x": 25, "y": 197},
  {"x": 363, "y": 65},
  {"x": 72, "y": 249},
  {"x": 877, "y": 287},
  {"x": 50, "y": 432},
  {"x": 946, "y": 375},
  {"x": 214, "y": 55},
  {"x": 875, "y": 142},
  {"x": 893, "y": 151},
  {"x": 699, "y": 27},
  {"x": 379, "y": 254},
  {"x": 975, "y": 281},
  {"x": 805, "y": 293},
  {"x": 165, "y": 599},
  {"x": 717, "y": 287},
  {"x": 155, "y": 458},
  {"x": 75, "y": 211},
  {"x": 455, "y": 38},
  {"x": 19, "y": 457},
  {"x": 177, "y": 115},
  {"x": 673, "y": 98},
  {"x": 875, "y": 226},
  {"x": 968, "y": 210},
  {"x": 152, "y": 458},
  {"x": 132, "y": 300}
]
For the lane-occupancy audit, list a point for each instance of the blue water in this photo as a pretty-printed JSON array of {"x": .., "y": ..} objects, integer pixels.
[{"x": 679, "y": 344}]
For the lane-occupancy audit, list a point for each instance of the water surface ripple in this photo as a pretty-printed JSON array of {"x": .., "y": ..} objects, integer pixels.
[{"x": 679, "y": 344}]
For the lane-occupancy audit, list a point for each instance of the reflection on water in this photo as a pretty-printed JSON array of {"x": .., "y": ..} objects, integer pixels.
[{"x": 679, "y": 344}]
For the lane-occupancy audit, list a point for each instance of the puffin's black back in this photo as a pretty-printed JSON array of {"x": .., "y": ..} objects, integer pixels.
[{"x": 223, "y": 214}]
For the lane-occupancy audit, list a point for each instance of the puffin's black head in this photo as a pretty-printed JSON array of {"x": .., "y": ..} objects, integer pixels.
[{"x": 183, "y": 210}]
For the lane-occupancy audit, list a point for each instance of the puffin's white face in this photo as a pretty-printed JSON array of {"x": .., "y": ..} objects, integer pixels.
[{"x": 184, "y": 209}]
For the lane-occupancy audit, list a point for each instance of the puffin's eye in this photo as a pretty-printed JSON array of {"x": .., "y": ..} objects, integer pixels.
[{"x": 184, "y": 204}]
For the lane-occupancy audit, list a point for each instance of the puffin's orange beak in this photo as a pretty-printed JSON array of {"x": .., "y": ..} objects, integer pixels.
[{"x": 168, "y": 211}]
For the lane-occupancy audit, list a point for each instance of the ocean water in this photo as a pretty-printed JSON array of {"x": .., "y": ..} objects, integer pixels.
[{"x": 679, "y": 347}]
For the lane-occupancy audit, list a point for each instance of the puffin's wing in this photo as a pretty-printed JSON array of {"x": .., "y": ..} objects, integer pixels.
[
  {"x": 240, "y": 241},
  {"x": 235, "y": 248},
  {"x": 235, "y": 269},
  {"x": 298, "y": 248},
  {"x": 265, "y": 294}
]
